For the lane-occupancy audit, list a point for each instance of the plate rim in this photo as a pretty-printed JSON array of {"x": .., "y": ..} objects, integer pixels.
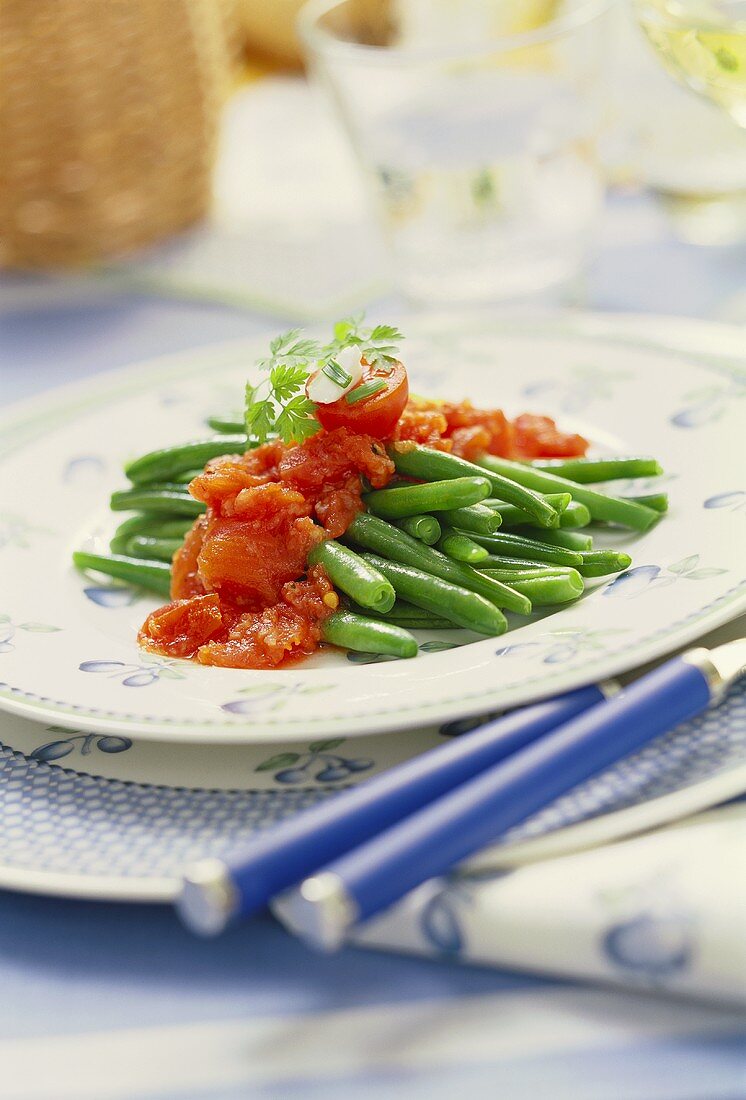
[
  {"x": 464, "y": 706},
  {"x": 84, "y": 394}
]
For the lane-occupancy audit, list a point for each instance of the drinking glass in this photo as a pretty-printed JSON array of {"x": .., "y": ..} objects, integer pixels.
[
  {"x": 703, "y": 44},
  {"x": 474, "y": 124}
]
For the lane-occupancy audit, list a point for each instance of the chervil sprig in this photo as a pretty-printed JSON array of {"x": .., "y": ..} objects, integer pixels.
[
  {"x": 290, "y": 349},
  {"x": 279, "y": 406},
  {"x": 378, "y": 345}
]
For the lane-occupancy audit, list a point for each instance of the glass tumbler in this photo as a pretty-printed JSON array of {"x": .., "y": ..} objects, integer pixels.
[{"x": 474, "y": 123}]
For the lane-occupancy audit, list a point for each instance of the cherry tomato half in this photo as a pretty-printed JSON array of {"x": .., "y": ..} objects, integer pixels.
[{"x": 376, "y": 415}]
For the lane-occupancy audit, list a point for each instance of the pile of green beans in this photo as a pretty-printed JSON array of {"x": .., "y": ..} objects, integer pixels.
[{"x": 448, "y": 544}]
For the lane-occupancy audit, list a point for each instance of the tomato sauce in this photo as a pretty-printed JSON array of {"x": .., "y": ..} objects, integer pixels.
[
  {"x": 468, "y": 432},
  {"x": 242, "y": 593},
  {"x": 238, "y": 599}
]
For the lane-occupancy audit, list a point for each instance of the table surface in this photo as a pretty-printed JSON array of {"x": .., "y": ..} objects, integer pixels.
[{"x": 118, "y": 1001}]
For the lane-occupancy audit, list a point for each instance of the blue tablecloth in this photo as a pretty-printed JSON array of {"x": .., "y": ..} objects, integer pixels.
[{"x": 108, "y": 1001}]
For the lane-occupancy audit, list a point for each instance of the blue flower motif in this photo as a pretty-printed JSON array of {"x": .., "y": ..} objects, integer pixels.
[
  {"x": 735, "y": 501},
  {"x": 633, "y": 581},
  {"x": 440, "y": 916},
  {"x": 562, "y": 645},
  {"x": 83, "y": 467},
  {"x": 82, "y": 742},
  {"x": 267, "y": 697},
  {"x": 134, "y": 675},
  {"x": 296, "y": 767},
  {"x": 709, "y": 403},
  {"x": 656, "y": 946},
  {"x": 640, "y": 578},
  {"x": 112, "y": 595},
  {"x": 440, "y": 925}
]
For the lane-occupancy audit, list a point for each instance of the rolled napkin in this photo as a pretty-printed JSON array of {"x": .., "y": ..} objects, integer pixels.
[{"x": 664, "y": 912}]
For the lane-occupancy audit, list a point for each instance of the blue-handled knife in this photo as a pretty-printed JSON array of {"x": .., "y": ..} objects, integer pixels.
[
  {"x": 216, "y": 892},
  {"x": 371, "y": 877}
]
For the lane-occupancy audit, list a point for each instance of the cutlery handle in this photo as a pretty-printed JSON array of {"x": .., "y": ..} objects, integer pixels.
[
  {"x": 215, "y": 892},
  {"x": 429, "y": 842}
]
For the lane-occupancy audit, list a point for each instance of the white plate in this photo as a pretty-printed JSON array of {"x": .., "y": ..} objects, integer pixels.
[{"x": 68, "y": 654}]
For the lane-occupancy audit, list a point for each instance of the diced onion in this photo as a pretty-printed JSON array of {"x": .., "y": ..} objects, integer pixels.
[{"x": 324, "y": 390}]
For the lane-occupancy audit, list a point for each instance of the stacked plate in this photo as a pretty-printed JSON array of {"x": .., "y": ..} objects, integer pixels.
[{"x": 118, "y": 766}]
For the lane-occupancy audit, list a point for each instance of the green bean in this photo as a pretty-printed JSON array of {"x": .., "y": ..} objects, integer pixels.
[
  {"x": 533, "y": 569},
  {"x": 430, "y": 496},
  {"x": 572, "y": 514},
  {"x": 226, "y": 425},
  {"x": 424, "y": 528},
  {"x": 422, "y": 462},
  {"x": 164, "y": 464},
  {"x": 550, "y": 588},
  {"x": 172, "y": 501},
  {"x": 153, "y": 575},
  {"x": 365, "y": 635},
  {"x": 168, "y": 528},
  {"x": 531, "y": 549},
  {"x": 377, "y": 535},
  {"x": 153, "y": 549},
  {"x": 512, "y": 516},
  {"x": 185, "y": 478},
  {"x": 599, "y": 563},
  {"x": 516, "y": 565},
  {"x": 586, "y": 470},
  {"x": 406, "y": 615},
  {"x": 575, "y": 515},
  {"x": 571, "y": 540},
  {"x": 353, "y": 576},
  {"x": 148, "y": 523},
  {"x": 610, "y": 509},
  {"x": 475, "y": 518},
  {"x": 460, "y": 547},
  {"x": 657, "y": 501},
  {"x": 465, "y": 608}
]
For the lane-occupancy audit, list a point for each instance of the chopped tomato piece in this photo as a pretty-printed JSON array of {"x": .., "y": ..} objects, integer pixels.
[
  {"x": 539, "y": 437},
  {"x": 469, "y": 432},
  {"x": 185, "y": 579},
  {"x": 181, "y": 627},
  {"x": 286, "y": 630}
]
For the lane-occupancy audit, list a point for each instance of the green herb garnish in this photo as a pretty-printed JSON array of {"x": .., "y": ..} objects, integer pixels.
[
  {"x": 378, "y": 346},
  {"x": 278, "y": 405},
  {"x": 366, "y": 390},
  {"x": 339, "y": 376}
]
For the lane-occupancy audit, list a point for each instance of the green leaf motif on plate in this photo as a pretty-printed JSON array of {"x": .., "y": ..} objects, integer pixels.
[
  {"x": 326, "y": 746},
  {"x": 281, "y": 760}
]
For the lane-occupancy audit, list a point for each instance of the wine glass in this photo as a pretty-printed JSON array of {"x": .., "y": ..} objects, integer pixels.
[{"x": 703, "y": 44}]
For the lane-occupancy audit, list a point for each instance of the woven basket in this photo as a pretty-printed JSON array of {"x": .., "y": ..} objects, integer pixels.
[{"x": 108, "y": 123}]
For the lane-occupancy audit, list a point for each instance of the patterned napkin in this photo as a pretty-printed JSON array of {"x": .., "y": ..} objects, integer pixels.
[{"x": 663, "y": 912}]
